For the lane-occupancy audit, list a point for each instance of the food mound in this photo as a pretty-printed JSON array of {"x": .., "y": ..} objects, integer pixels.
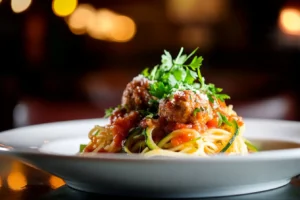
[{"x": 170, "y": 110}]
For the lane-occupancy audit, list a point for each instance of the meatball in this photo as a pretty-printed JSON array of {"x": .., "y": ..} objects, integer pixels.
[
  {"x": 136, "y": 95},
  {"x": 186, "y": 107}
]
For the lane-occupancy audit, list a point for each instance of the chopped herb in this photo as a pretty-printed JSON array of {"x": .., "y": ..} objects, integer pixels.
[
  {"x": 179, "y": 74},
  {"x": 190, "y": 76},
  {"x": 146, "y": 114},
  {"x": 171, "y": 96},
  {"x": 198, "y": 110},
  {"x": 81, "y": 148},
  {"x": 108, "y": 112},
  {"x": 150, "y": 115},
  {"x": 96, "y": 133},
  {"x": 145, "y": 72},
  {"x": 223, "y": 119}
]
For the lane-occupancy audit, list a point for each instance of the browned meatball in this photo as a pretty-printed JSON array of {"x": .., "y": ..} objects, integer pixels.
[
  {"x": 136, "y": 95},
  {"x": 186, "y": 107}
]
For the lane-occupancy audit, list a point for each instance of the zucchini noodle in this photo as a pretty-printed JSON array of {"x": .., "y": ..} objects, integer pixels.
[{"x": 213, "y": 141}]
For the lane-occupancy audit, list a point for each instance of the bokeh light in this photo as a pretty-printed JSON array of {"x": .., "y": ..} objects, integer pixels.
[
  {"x": 16, "y": 181},
  {"x": 80, "y": 18},
  {"x": 124, "y": 29},
  {"x": 63, "y": 8},
  {"x": 100, "y": 26},
  {"x": 19, "y": 6},
  {"x": 110, "y": 26},
  {"x": 289, "y": 21},
  {"x": 56, "y": 182}
]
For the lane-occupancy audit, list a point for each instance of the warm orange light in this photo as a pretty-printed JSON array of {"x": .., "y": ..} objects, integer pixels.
[
  {"x": 110, "y": 26},
  {"x": 289, "y": 21},
  {"x": 19, "y": 6},
  {"x": 56, "y": 182},
  {"x": 0, "y": 176},
  {"x": 16, "y": 181},
  {"x": 100, "y": 26},
  {"x": 124, "y": 29},
  {"x": 80, "y": 18},
  {"x": 63, "y": 8},
  {"x": 179, "y": 11}
]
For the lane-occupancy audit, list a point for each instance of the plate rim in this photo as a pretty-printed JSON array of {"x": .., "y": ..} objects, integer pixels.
[{"x": 281, "y": 154}]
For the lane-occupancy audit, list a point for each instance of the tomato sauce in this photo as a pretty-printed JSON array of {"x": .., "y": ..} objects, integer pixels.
[{"x": 121, "y": 127}]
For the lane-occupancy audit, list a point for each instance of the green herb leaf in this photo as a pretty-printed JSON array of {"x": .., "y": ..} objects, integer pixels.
[
  {"x": 159, "y": 89},
  {"x": 198, "y": 110},
  {"x": 210, "y": 98},
  {"x": 146, "y": 113},
  {"x": 179, "y": 57},
  {"x": 196, "y": 86},
  {"x": 181, "y": 60},
  {"x": 172, "y": 80},
  {"x": 171, "y": 76},
  {"x": 222, "y": 97},
  {"x": 145, "y": 72},
  {"x": 196, "y": 62},
  {"x": 179, "y": 74},
  {"x": 108, "y": 112},
  {"x": 81, "y": 147},
  {"x": 223, "y": 119},
  {"x": 166, "y": 60},
  {"x": 190, "y": 77},
  {"x": 191, "y": 54},
  {"x": 220, "y": 120},
  {"x": 150, "y": 115},
  {"x": 153, "y": 73}
]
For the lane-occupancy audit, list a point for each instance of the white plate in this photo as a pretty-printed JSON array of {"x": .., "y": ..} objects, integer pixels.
[{"x": 52, "y": 147}]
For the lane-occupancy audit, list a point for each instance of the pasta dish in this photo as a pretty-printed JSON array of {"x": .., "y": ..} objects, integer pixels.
[{"x": 170, "y": 110}]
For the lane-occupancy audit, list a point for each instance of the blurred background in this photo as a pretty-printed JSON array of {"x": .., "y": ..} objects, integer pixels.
[{"x": 71, "y": 59}]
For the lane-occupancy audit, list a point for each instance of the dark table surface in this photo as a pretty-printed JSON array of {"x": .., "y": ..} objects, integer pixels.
[{"x": 22, "y": 182}]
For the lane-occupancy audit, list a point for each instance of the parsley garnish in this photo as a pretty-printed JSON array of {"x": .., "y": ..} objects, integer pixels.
[
  {"x": 223, "y": 119},
  {"x": 146, "y": 114},
  {"x": 198, "y": 110},
  {"x": 82, "y": 147},
  {"x": 178, "y": 74},
  {"x": 108, "y": 112}
]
